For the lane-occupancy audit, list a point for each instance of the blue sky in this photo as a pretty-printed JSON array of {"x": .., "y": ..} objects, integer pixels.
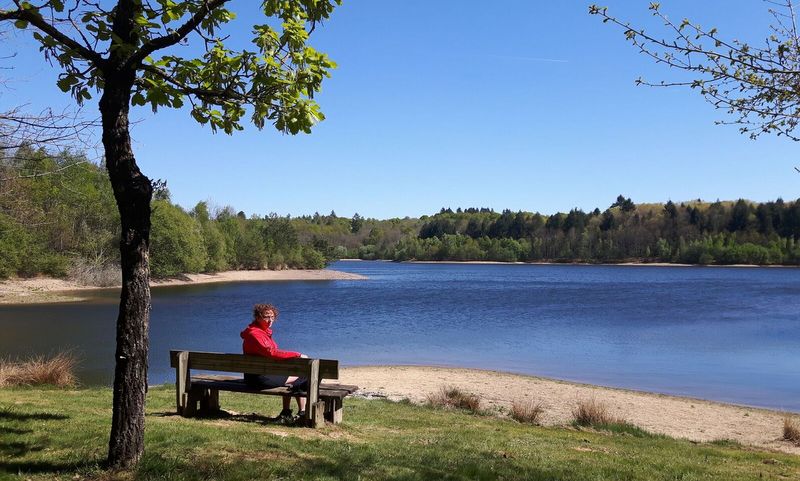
[{"x": 523, "y": 105}]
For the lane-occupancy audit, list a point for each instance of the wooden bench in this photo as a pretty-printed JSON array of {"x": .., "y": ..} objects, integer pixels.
[{"x": 199, "y": 395}]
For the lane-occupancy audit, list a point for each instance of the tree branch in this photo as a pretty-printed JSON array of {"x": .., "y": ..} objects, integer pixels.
[
  {"x": 33, "y": 17},
  {"x": 176, "y": 36}
]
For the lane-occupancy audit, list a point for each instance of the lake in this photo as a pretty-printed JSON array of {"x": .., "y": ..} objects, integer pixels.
[{"x": 727, "y": 334}]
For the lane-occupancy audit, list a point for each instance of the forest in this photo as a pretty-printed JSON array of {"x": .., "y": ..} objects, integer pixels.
[{"x": 58, "y": 218}]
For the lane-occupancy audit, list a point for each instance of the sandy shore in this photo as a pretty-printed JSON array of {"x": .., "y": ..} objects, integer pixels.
[
  {"x": 687, "y": 418},
  {"x": 47, "y": 290}
]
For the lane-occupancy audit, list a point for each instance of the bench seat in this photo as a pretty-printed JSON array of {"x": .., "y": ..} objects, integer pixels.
[{"x": 324, "y": 398}]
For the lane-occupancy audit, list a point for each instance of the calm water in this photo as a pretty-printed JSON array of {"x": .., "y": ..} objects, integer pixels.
[{"x": 730, "y": 334}]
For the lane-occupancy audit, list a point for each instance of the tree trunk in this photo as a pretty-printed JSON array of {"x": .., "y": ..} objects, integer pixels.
[{"x": 133, "y": 192}]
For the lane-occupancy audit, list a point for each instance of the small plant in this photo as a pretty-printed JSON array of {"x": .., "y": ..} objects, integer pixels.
[
  {"x": 453, "y": 397},
  {"x": 58, "y": 370},
  {"x": 528, "y": 412},
  {"x": 791, "y": 430},
  {"x": 726, "y": 443},
  {"x": 591, "y": 412},
  {"x": 95, "y": 273}
]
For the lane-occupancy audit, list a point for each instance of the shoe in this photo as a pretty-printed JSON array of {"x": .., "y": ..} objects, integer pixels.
[
  {"x": 285, "y": 417},
  {"x": 300, "y": 419}
]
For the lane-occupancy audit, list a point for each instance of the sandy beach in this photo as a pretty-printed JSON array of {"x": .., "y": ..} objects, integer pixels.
[
  {"x": 48, "y": 290},
  {"x": 692, "y": 419}
]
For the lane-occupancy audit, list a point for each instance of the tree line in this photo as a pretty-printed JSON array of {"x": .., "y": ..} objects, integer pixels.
[
  {"x": 58, "y": 218},
  {"x": 694, "y": 232}
]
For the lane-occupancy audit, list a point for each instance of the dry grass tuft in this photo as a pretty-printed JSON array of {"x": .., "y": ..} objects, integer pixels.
[
  {"x": 591, "y": 412},
  {"x": 96, "y": 274},
  {"x": 528, "y": 412},
  {"x": 58, "y": 370},
  {"x": 453, "y": 397},
  {"x": 791, "y": 430}
]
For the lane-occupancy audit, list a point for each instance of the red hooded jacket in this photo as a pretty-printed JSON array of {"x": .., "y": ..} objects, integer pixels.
[{"x": 258, "y": 342}]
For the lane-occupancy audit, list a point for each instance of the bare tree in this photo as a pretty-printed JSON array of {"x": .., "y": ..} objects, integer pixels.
[
  {"x": 47, "y": 128},
  {"x": 758, "y": 86}
]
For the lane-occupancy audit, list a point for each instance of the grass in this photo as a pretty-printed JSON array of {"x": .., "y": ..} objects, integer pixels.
[
  {"x": 49, "y": 434},
  {"x": 454, "y": 398},
  {"x": 58, "y": 370},
  {"x": 591, "y": 412},
  {"x": 595, "y": 414},
  {"x": 791, "y": 430},
  {"x": 527, "y": 412}
]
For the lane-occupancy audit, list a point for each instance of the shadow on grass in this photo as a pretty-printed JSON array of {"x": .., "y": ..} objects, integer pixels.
[
  {"x": 5, "y": 414},
  {"x": 17, "y": 449},
  {"x": 14, "y": 448},
  {"x": 254, "y": 418},
  {"x": 5, "y": 430},
  {"x": 41, "y": 467}
]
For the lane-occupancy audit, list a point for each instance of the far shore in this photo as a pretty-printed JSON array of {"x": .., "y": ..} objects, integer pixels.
[
  {"x": 681, "y": 417},
  {"x": 43, "y": 290},
  {"x": 631, "y": 264},
  {"x": 544, "y": 263}
]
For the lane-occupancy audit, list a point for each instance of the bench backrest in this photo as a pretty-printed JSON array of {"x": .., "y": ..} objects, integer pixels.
[{"x": 214, "y": 361}]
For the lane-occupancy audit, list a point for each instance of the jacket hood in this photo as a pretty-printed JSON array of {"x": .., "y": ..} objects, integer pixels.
[{"x": 254, "y": 326}]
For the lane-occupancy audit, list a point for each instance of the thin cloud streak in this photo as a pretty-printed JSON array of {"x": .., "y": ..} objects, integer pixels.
[{"x": 532, "y": 59}]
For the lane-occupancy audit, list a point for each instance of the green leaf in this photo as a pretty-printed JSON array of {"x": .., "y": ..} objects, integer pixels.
[
  {"x": 138, "y": 99},
  {"x": 21, "y": 24},
  {"x": 66, "y": 82}
]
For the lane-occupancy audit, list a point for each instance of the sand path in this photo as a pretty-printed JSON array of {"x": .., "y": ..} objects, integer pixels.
[
  {"x": 48, "y": 290},
  {"x": 693, "y": 419}
]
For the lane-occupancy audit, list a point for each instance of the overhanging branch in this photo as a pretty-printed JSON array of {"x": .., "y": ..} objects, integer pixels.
[{"x": 181, "y": 32}]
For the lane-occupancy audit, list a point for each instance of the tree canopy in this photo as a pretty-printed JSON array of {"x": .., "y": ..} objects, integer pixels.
[{"x": 276, "y": 78}]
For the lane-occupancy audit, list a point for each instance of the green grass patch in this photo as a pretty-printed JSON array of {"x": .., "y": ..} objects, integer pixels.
[
  {"x": 62, "y": 434},
  {"x": 626, "y": 429}
]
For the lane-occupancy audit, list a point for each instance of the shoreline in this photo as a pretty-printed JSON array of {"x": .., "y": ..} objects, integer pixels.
[
  {"x": 46, "y": 290},
  {"x": 626, "y": 264},
  {"x": 697, "y": 420}
]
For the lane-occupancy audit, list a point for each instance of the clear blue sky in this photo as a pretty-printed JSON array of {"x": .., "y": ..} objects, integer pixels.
[{"x": 517, "y": 104}]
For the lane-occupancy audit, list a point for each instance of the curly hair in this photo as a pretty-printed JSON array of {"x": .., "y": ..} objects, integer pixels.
[{"x": 260, "y": 309}]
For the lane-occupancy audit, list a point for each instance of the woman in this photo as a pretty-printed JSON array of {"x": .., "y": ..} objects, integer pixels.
[{"x": 257, "y": 341}]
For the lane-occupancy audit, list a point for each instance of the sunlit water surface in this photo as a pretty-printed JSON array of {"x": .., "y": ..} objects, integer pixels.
[{"x": 729, "y": 334}]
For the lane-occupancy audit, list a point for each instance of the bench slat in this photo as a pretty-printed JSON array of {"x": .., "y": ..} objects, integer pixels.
[
  {"x": 239, "y": 387},
  {"x": 235, "y": 384},
  {"x": 215, "y": 361}
]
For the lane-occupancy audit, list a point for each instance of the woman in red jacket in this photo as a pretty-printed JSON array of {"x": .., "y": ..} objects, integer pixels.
[{"x": 257, "y": 340}]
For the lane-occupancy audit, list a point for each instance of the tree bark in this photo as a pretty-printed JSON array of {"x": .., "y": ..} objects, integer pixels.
[{"x": 133, "y": 192}]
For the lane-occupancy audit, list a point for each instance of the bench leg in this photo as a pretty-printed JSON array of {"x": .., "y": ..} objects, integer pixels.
[
  {"x": 194, "y": 396},
  {"x": 317, "y": 414},
  {"x": 338, "y": 412},
  {"x": 333, "y": 410},
  {"x": 209, "y": 402}
]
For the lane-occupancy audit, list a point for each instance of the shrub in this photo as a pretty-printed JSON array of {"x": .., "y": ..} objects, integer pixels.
[
  {"x": 312, "y": 259},
  {"x": 791, "y": 430},
  {"x": 591, "y": 412},
  {"x": 58, "y": 370},
  {"x": 176, "y": 242},
  {"x": 528, "y": 412},
  {"x": 97, "y": 274},
  {"x": 453, "y": 397}
]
